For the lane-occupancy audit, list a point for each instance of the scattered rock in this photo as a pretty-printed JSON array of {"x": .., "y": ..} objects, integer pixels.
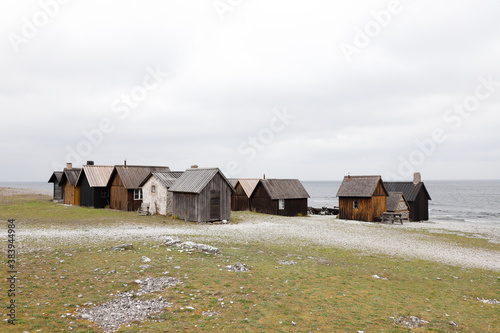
[
  {"x": 488, "y": 301},
  {"x": 198, "y": 247},
  {"x": 284, "y": 262},
  {"x": 123, "y": 247},
  {"x": 238, "y": 267},
  {"x": 171, "y": 241},
  {"x": 111, "y": 315},
  {"x": 452, "y": 323},
  {"x": 210, "y": 313},
  {"x": 145, "y": 259},
  {"x": 412, "y": 321}
]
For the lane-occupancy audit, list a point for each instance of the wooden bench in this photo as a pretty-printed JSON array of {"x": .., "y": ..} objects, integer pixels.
[{"x": 392, "y": 217}]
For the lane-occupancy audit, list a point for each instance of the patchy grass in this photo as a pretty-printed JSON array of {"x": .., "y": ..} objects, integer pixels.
[{"x": 328, "y": 289}]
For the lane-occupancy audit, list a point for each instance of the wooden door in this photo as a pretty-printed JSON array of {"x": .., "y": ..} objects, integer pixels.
[{"x": 215, "y": 205}]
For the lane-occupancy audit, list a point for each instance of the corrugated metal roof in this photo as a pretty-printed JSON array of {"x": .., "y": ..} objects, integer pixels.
[
  {"x": 393, "y": 200},
  {"x": 71, "y": 176},
  {"x": 284, "y": 188},
  {"x": 358, "y": 186},
  {"x": 167, "y": 178},
  {"x": 409, "y": 189},
  {"x": 195, "y": 180},
  {"x": 133, "y": 175},
  {"x": 248, "y": 185},
  {"x": 56, "y": 177},
  {"x": 97, "y": 175}
]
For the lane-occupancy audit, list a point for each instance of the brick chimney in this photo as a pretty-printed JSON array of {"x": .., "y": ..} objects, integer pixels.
[
  {"x": 194, "y": 166},
  {"x": 69, "y": 166},
  {"x": 417, "y": 178}
]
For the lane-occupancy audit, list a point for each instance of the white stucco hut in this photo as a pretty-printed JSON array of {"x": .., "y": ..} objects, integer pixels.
[{"x": 155, "y": 191}]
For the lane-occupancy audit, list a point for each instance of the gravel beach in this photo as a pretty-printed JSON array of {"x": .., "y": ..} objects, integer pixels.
[{"x": 370, "y": 238}]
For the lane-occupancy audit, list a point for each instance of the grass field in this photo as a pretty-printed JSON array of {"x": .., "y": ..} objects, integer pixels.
[{"x": 325, "y": 289}]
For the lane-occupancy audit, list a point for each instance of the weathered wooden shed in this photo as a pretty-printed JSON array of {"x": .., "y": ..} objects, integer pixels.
[
  {"x": 286, "y": 197},
  {"x": 417, "y": 196},
  {"x": 362, "y": 198},
  {"x": 93, "y": 183},
  {"x": 240, "y": 199},
  {"x": 124, "y": 185},
  {"x": 396, "y": 203},
  {"x": 202, "y": 195},
  {"x": 71, "y": 192},
  {"x": 155, "y": 191},
  {"x": 58, "y": 190}
]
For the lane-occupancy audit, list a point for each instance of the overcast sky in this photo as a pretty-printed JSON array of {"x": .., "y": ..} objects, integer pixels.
[{"x": 294, "y": 89}]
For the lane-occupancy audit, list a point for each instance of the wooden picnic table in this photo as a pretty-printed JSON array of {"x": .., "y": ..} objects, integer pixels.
[{"x": 392, "y": 217}]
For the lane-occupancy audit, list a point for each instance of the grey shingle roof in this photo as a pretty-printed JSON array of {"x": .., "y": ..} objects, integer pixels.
[
  {"x": 358, "y": 186},
  {"x": 133, "y": 175},
  {"x": 70, "y": 176},
  {"x": 195, "y": 180},
  {"x": 393, "y": 201},
  {"x": 409, "y": 189},
  {"x": 56, "y": 177},
  {"x": 284, "y": 188},
  {"x": 167, "y": 179}
]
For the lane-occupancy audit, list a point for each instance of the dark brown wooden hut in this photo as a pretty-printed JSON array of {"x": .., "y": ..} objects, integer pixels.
[
  {"x": 286, "y": 197},
  {"x": 202, "y": 195},
  {"x": 417, "y": 196},
  {"x": 93, "y": 183},
  {"x": 240, "y": 200},
  {"x": 124, "y": 184},
  {"x": 71, "y": 192},
  {"x": 58, "y": 190},
  {"x": 362, "y": 198}
]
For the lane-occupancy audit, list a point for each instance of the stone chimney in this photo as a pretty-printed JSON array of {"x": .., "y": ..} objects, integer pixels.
[
  {"x": 194, "y": 166},
  {"x": 417, "y": 178},
  {"x": 69, "y": 166}
]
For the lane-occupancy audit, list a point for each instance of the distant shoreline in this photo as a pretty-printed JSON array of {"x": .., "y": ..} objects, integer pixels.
[{"x": 9, "y": 191}]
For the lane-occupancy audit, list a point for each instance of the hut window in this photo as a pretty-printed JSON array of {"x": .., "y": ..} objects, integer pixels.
[
  {"x": 153, "y": 188},
  {"x": 281, "y": 204},
  {"x": 355, "y": 204},
  {"x": 104, "y": 195},
  {"x": 138, "y": 194}
]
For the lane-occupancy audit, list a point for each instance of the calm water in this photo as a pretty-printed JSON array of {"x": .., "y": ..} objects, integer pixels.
[{"x": 465, "y": 200}]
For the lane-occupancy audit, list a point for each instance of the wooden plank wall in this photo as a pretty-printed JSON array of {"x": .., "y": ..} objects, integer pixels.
[
  {"x": 261, "y": 201},
  {"x": 118, "y": 194},
  {"x": 196, "y": 207},
  {"x": 239, "y": 200}
]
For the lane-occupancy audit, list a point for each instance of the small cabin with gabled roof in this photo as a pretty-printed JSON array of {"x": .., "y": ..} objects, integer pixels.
[
  {"x": 417, "y": 196},
  {"x": 362, "y": 198},
  {"x": 155, "y": 191},
  {"x": 396, "y": 203},
  {"x": 286, "y": 197},
  {"x": 124, "y": 183},
  {"x": 71, "y": 192},
  {"x": 93, "y": 183},
  {"x": 202, "y": 195},
  {"x": 243, "y": 189},
  {"x": 58, "y": 190}
]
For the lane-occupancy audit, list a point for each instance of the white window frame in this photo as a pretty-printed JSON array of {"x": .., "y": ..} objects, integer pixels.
[
  {"x": 138, "y": 194},
  {"x": 281, "y": 204},
  {"x": 355, "y": 204}
]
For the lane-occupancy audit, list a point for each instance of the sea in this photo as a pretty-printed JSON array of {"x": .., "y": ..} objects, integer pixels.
[{"x": 468, "y": 201}]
